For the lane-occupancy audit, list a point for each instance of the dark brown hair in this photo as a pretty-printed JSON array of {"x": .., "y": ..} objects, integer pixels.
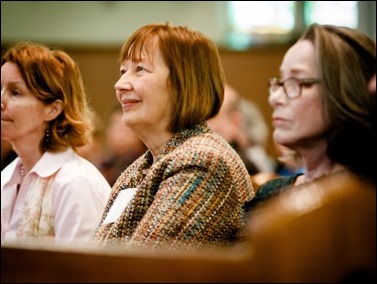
[{"x": 347, "y": 60}]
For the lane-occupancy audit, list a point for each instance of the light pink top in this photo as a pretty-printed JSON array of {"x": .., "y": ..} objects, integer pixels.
[{"x": 79, "y": 194}]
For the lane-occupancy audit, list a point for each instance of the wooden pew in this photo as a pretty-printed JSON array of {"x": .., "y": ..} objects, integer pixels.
[
  {"x": 41, "y": 263},
  {"x": 324, "y": 232}
]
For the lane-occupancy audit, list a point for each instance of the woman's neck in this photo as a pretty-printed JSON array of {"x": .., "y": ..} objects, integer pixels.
[
  {"x": 317, "y": 163},
  {"x": 321, "y": 170}
]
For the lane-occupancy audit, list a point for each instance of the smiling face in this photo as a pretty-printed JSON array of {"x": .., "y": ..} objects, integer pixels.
[
  {"x": 23, "y": 116},
  {"x": 298, "y": 121},
  {"x": 143, "y": 93}
]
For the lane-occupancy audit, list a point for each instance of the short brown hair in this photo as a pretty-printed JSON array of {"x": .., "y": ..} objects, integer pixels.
[{"x": 196, "y": 77}]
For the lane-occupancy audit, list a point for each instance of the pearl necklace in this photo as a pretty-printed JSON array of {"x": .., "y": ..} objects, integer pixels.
[
  {"x": 22, "y": 173},
  {"x": 22, "y": 170}
]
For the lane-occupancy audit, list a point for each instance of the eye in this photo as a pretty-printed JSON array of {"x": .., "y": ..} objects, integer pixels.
[
  {"x": 139, "y": 68},
  {"x": 14, "y": 92}
]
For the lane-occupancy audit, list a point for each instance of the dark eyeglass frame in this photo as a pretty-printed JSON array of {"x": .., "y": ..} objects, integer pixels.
[{"x": 274, "y": 83}]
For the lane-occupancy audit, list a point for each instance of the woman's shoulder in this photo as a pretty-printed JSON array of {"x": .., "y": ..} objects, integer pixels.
[
  {"x": 199, "y": 138},
  {"x": 208, "y": 142},
  {"x": 270, "y": 188},
  {"x": 8, "y": 171},
  {"x": 77, "y": 167},
  {"x": 277, "y": 184},
  {"x": 206, "y": 150}
]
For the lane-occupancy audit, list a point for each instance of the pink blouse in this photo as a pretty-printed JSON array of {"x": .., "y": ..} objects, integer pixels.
[{"x": 77, "y": 195}]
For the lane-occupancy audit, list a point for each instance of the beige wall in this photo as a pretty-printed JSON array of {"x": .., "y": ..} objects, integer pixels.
[{"x": 105, "y": 23}]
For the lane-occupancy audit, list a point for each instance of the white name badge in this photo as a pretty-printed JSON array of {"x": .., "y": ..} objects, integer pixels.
[{"x": 124, "y": 197}]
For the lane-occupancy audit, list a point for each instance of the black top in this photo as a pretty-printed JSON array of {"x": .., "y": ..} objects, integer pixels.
[{"x": 270, "y": 188}]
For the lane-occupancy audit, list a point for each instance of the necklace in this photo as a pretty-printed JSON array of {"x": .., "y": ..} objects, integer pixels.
[
  {"x": 22, "y": 173},
  {"x": 22, "y": 170}
]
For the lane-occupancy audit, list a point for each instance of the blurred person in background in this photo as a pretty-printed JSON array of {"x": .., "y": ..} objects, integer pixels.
[
  {"x": 189, "y": 187},
  {"x": 256, "y": 131},
  {"x": 242, "y": 124},
  {"x": 122, "y": 146},
  {"x": 323, "y": 108},
  {"x": 94, "y": 151},
  {"x": 48, "y": 191}
]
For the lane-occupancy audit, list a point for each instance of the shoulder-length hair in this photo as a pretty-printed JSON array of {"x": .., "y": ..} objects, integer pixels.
[
  {"x": 51, "y": 74},
  {"x": 196, "y": 77},
  {"x": 347, "y": 60}
]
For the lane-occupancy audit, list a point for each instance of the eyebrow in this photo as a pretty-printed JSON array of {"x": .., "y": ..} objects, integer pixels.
[
  {"x": 14, "y": 83},
  {"x": 294, "y": 72}
]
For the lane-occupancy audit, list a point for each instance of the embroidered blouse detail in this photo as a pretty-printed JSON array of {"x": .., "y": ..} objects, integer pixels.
[{"x": 37, "y": 213}]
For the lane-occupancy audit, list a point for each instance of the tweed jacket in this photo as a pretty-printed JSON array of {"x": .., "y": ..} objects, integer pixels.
[{"x": 192, "y": 193}]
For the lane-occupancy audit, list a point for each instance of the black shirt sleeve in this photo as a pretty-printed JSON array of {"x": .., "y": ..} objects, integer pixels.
[{"x": 268, "y": 189}]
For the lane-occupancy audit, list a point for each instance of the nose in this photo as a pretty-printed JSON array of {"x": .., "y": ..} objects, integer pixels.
[
  {"x": 2, "y": 99},
  {"x": 277, "y": 97},
  {"x": 123, "y": 84}
]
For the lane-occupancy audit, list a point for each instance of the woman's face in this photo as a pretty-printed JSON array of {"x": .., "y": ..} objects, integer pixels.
[
  {"x": 298, "y": 122},
  {"x": 143, "y": 93},
  {"x": 22, "y": 115}
]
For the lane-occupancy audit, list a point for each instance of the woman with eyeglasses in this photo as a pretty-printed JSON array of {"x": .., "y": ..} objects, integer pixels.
[{"x": 323, "y": 109}]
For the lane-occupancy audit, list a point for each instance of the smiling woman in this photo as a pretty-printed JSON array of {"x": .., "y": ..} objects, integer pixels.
[{"x": 188, "y": 189}]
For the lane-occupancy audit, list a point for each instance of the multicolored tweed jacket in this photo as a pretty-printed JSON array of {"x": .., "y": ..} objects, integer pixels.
[{"x": 193, "y": 193}]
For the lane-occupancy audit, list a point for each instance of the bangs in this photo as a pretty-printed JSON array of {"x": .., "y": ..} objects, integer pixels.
[{"x": 137, "y": 45}]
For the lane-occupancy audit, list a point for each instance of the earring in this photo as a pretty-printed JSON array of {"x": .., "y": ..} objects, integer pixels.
[{"x": 47, "y": 137}]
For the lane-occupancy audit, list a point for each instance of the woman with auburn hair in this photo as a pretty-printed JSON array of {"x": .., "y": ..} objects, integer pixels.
[
  {"x": 188, "y": 188},
  {"x": 48, "y": 191}
]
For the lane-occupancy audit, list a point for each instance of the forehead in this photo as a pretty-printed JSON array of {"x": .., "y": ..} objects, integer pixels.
[
  {"x": 300, "y": 57},
  {"x": 10, "y": 71},
  {"x": 10, "y": 67},
  {"x": 140, "y": 49}
]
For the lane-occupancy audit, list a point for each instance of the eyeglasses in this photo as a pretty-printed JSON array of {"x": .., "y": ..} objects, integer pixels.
[{"x": 292, "y": 86}]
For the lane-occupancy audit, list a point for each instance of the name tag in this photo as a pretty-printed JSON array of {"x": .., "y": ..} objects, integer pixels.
[{"x": 124, "y": 197}]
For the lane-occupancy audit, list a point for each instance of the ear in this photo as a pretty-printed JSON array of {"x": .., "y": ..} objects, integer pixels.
[{"x": 53, "y": 110}]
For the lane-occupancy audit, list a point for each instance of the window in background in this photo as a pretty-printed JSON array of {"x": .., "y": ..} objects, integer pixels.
[
  {"x": 258, "y": 22},
  {"x": 341, "y": 13},
  {"x": 255, "y": 23}
]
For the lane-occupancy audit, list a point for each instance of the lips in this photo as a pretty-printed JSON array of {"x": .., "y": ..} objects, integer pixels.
[
  {"x": 129, "y": 101},
  {"x": 278, "y": 121},
  {"x": 6, "y": 119},
  {"x": 278, "y": 118}
]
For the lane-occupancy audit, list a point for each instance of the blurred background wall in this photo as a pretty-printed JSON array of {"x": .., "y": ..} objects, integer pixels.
[{"x": 92, "y": 33}]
